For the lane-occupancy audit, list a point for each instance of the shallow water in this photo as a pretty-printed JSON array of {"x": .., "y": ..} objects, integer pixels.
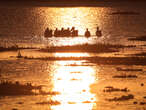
[
  {"x": 27, "y": 24},
  {"x": 80, "y": 83},
  {"x": 79, "y": 87}
]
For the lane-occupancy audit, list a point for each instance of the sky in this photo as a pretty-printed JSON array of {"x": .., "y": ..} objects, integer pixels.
[
  {"x": 67, "y": 1},
  {"x": 71, "y": 0}
]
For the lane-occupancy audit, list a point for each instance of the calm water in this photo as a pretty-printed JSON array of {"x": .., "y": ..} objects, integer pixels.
[
  {"x": 23, "y": 25},
  {"x": 80, "y": 84}
]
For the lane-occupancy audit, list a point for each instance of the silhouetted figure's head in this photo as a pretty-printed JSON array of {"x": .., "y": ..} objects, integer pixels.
[
  {"x": 62, "y": 29},
  {"x": 47, "y": 28},
  {"x": 17, "y": 82},
  {"x": 73, "y": 28},
  {"x": 68, "y": 28}
]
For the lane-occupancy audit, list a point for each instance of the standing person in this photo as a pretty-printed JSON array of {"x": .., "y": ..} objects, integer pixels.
[
  {"x": 98, "y": 32},
  {"x": 87, "y": 33}
]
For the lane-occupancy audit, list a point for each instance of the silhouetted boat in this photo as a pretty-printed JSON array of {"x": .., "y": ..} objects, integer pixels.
[
  {"x": 69, "y": 32},
  {"x": 61, "y": 33},
  {"x": 19, "y": 54}
]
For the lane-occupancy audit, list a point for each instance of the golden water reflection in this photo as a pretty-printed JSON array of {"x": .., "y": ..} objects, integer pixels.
[
  {"x": 75, "y": 54},
  {"x": 80, "y": 17},
  {"x": 73, "y": 84}
]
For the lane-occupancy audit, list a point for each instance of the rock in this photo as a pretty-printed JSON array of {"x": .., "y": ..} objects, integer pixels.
[
  {"x": 142, "y": 103},
  {"x": 122, "y": 98},
  {"x": 142, "y": 84},
  {"x": 134, "y": 102}
]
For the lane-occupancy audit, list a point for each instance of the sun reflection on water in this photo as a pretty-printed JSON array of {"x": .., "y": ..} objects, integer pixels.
[
  {"x": 73, "y": 84},
  {"x": 73, "y": 17},
  {"x": 75, "y": 54},
  {"x": 80, "y": 17},
  {"x": 72, "y": 41}
]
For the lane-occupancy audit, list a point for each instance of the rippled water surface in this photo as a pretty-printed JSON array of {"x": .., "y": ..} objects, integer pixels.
[
  {"x": 23, "y": 25},
  {"x": 79, "y": 87},
  {"x": 79, "y": 84}
]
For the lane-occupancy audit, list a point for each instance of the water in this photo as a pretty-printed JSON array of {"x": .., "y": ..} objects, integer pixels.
[
  {"x": 80, "y": 83},
  {"x": 28, "y": 22}
]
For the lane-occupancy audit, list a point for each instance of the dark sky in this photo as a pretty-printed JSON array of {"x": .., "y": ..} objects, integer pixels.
[{"x": 70, "y": 0}]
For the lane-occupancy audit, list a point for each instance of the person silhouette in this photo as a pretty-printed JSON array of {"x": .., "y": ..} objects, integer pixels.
[
  {"x": 62, "y": 32},
  {"x": 56, "y": 33},
  {"x": 87, "y": 33},
  {"x": 98, "y": 32},
  {"x": 48, "y": 33},
  {"x": 73, "y": 32},
  {"x": 68, "y": 32}
]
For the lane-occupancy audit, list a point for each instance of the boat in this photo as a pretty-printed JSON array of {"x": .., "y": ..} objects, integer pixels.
[{"x": 19, "y": 54}]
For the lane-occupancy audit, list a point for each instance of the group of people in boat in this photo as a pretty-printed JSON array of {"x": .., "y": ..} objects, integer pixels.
[
  {"x": 61, "y": 33},
  {"x": 68, "y": 32}
]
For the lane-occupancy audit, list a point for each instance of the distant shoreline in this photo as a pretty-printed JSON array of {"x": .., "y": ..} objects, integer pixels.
[{"x": 70, "y": 4}]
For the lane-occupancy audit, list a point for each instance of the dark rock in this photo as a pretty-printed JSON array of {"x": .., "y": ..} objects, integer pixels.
[
  {"x": 112, "y": 89},
  {"x": 127, "y": 69},
  {"x": 14, "y": 109},
  {"x": 125, "y": 76},
  {"x": 20, "y": 103},
  {"x": 142, "y": 103},
  {"x": 49, "y": 103},
  {"x": 122, "y": 98},
  {"x": 8, "y": 88},
  {"x": 142, "y": 84},
  {"x": 135, "y": 102}
]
